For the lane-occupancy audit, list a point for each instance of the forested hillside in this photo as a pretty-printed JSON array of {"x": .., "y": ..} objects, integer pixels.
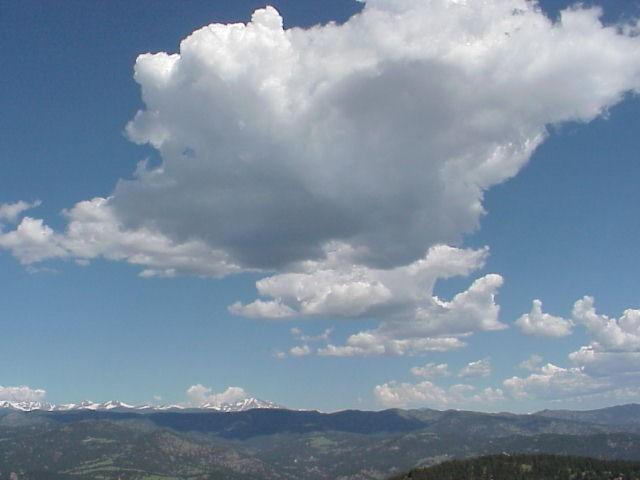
[{"x": 527, "y": 467}]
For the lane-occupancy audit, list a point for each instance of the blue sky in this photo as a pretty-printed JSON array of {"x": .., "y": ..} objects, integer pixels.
[{"x": 564, "y": 226}]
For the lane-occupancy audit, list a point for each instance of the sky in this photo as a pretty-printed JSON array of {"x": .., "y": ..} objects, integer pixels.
[{"x": 329, "y": 205}]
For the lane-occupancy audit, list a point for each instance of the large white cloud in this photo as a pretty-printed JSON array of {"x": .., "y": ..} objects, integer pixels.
[
  {"x": 413, "y": 319},
  {"x": 382, "y": 133},
  {"x": 434, "y": 326},
  {"x": 21, "y": 394},
  {"x": 339, "y": 286},
  {"x": 334, "y": 157}
]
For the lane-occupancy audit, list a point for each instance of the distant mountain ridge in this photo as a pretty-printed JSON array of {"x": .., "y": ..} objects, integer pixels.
[
  {"x": 117, "y": 441},
  {"x": 118, "y": 406},
  {"x": 616, "y": 415}
]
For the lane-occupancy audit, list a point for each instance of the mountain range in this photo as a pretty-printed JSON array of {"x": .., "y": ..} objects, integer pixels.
[
  {"x": 278, "y": 444},
  {"x": 118, "y": 406}
]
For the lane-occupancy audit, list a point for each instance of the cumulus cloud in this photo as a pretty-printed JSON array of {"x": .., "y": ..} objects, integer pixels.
[
  {"x": 33, "y": 241},
  {"x": 609, "y": 334},
  {"x": 436, "y": 325},
  {"x": 415, "y": 320},
  {"x": 381, "y": 342},
  {"x": 614, "y": 352},
  {"x": 479, "y": 368},
  {"x": 199, "y": 395},
  {"x": 428, "y": 394},
  {"x": 603, "y": 364},
  {"x": 431, "y": 370},
  {"x": 608, "y": 365},
  {"x": 272, "y": 309},
  {"x": 337, "y": 286},
  {"x": 21, "y": 394},
  {"x": 552, "y": 382},
  {"x": 382, "y": 133},
  {"x": 94, "y": 231},
  {"x": 543, "y": 324},
  {"x": 607, "y": 368},
  {"x": 300, "y": 351},
  {"x": 334, "y": 157}
]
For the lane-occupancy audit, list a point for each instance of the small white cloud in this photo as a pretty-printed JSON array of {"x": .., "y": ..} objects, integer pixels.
[
  {"x": 300, "y": 351},
  {"x": 479, "y": 368},
  {"x": 609, "y": 366},
  {"x": 10, "y": 212},
  {"x": 376, "y": 342},
  {"x": 431, "y": 370},
  {"x": 33, "y": 241},
  {"x": 543, "y": 324},
  {"x": 322, "y": 337},
  {"x": 36, "y": 270},
  {"x": 531, "y": 364},
  {"x": 200, "y": 395},
  {"x": 271, "y": 309},
  {"x": 428, "y": 394},
  {"x": 22, "y": 394}
]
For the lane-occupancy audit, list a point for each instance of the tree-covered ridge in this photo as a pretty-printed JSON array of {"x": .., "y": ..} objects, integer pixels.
[{"x": 527, "y": 467}]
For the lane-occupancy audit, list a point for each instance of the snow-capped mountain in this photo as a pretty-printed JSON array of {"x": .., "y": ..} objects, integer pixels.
[
  {"x": 117, "y": 406},
  {"x": 241, "y": 406},
  {"x": 27, "y": 406}
]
